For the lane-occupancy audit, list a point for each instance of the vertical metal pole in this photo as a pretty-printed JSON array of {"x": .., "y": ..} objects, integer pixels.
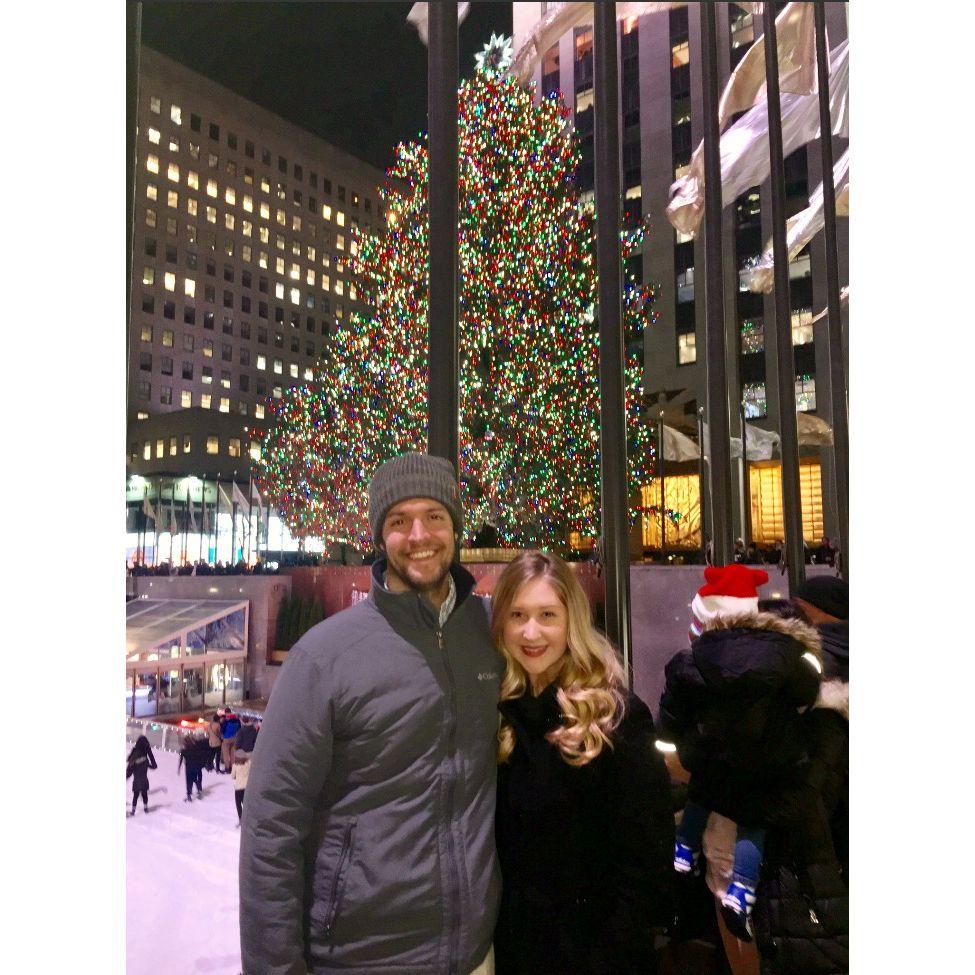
[
  {"x": 442, "y": 108},
  {"x": 834, "y": 330},
  {"x": 784, "y": 372},
  {"x": 612, "y": 430},
  {"x": 203, "y": 508},
  {"x": 661, "y": 472},
  {"x": 746, "y": 487},
  {"x": 717, "y": 378},
  {"x": 702, "y": 487}
]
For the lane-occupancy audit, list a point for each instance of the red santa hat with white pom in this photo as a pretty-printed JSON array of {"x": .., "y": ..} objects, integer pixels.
[{"x": 728, "y": 591}]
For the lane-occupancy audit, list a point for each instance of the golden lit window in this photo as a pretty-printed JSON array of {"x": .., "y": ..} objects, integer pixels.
[
  {"x": 265, "y": 185},
  {"x": 176, "y": 114},
  {"x": 340, "y": 242},
  {"x": 276, "y": 392},
  {"x": 189, "y": 287},
  {"x": 326, "y": 212},
  {"x": 279, "y": 241},
  {"x": 172, "y": 198},
  {"x": 154, "y": 104},
  {"x": 262, "y": 362},
  {"x": 247, "y": 228},
  {"x": 192, "y": 179},
  {"x": 295, "y": 296},
  {"x": 160, "y": 448},
  {"x": 248, "y": 204},
  {"x": 224, "y": 404},
  {"x": 245, "y": 252},
  {"x": 185, "y": 401},
  {"x": 262, "y": 259},
  {"x": 265, "y": 211},
  {"x": 765, "y": 488},
  {"x": 173, "y": 172},
  {"x": 148, "y": 275},
  {"x": 173, "y": 143},
  {"x": 339, "y": 286},
  {"x": 259, "y": 411},
  {"x": 169, "y": 281},
  {"x": 230, "y": 195},
  {"x": 279, "y": 216},
  {"x": 353, "y": 293},
  {"x": 167, "y": 338},
  {"x": 686, "y": 348},
  {"x": 310, "y": 276},
  {"x": 191, "y": 206},
  {"x": 147, "y": 451},
  {"x": 208, "y": 348},
  {"x": 213, "y": 445},
  {"x": 354, "y": 247},
  {"x": 154, "y": 136},
  {"x": 278, "y": 290},
  {"x": 293, "y": 370},
  {"x": 325, "y": 282},
  {"x": 205, "y": 399},
  {"x": 254, "y": 450},
  {"x": 682, "y": 515},
  {"x": 340, "y": 218},
  {"x": 229, "y": 220},
  {"x": 146, "y": 333},
  {"x": 679, "y": 55},
  {"x": 211, "y": 214},
  {"x": 295, "y": 272},
  {"x": 278, "y": 366},
  {"x": 802, "y": 326},
  {"x": 308, "y": 374},
  {"x": 233, "y": 447},
  {"x": 151, "y": 191},
  {"x": 172, "y": 446},
  {"x": 295, "y": 222},
  {"x": 279, "y": 265},
  {"x": 212, "y": 188},
  {"x": 152, "y": 163}
]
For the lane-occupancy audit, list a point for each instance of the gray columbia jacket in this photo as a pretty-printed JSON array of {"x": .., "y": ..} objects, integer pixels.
[{"x": 367, "y": 842}]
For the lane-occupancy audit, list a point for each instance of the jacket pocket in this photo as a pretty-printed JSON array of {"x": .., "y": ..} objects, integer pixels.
[{"x": 333, "y": 899}]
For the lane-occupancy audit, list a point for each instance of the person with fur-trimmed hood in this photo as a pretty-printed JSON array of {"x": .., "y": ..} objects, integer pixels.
[{"x": 731, "y": 706}]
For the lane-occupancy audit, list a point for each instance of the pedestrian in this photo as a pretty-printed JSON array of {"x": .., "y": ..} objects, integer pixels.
[
  {"x": 731, "y": 706},
  {"x": 139, "y": 762},
  {"x": 193, "y": 755},
  {"x": 229, "y": 729},
  {"x": 215, "y": 740},
  {"x": 584, "y": 824},
  {"x": 368, "y": 839},
  {"x": 240, "y": 771},
  {"x": 247, "y": 735}
]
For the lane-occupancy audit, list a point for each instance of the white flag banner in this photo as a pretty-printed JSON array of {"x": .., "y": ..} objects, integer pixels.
[
  {"x": 678, "y": 447},
  {"x": 844, "y": 298},
  {"x": 795, "y": 38},
  {"x": 744, "y": 147},
  {"x": 801, "y": 228},
  {"x": 206, "y": 516},
  {"x": 172, "y": 527},
  {"x": 419, "y": 18},
  {"x": 240, "y": 497},
  {"x": 759, "y": 443},
  {"x": 223, "y": 494},
  {"x": 147, "y": 509},
  {"x": 191, "y": 510}
]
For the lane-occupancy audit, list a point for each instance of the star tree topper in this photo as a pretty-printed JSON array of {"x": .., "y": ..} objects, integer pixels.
[{"x": 496, "y": 57}]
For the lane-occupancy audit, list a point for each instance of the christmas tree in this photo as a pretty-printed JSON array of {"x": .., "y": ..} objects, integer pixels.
[{"x": 529, "y": 396}]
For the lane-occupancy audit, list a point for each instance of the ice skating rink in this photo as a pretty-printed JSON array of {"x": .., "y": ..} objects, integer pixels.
[{"x": 181, "y": 877}]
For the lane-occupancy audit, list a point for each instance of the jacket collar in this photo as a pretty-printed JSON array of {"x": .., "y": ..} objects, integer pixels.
[
  {"x": 400, "y": 605},
  {"x": 542, "y": 713}
]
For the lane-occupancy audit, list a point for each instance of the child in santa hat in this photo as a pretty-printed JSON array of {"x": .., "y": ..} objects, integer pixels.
[{"x": 731, "y": 707}]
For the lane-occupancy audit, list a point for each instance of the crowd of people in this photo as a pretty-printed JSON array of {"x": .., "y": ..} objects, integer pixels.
[
  {"x": 395, "y": 821},
  {"x": 224, "y": 748},
  {"x": 200, "y": 567},
  {"x": 825, "y": 553}
]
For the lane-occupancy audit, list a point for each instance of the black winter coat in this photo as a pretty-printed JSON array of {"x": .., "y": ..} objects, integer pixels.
[
  {"x": 585, "y": 852},
  {"x": 138, "y": 768},
  {"x": 731, "y": 705}
]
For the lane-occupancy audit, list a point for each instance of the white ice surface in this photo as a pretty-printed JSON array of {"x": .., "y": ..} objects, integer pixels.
[{"x": 181, "y": 877}]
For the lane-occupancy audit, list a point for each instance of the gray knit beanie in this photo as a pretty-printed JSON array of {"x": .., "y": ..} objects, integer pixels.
[{"x": 413, "y": 476}]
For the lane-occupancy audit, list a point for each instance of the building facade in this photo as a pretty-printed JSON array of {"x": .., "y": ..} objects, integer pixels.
[
  {"x": 242, "y": 231},
  {"x": 661, "y": 121}
]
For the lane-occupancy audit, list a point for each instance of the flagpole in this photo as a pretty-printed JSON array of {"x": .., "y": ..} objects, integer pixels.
[
  {"x": 143, "y": 522},
  {"x": 203, "y": 502},
  {"x": 250, "y": 513},
  {"x": 155, "y": 523},
  {"x": 233, "y": 520}
]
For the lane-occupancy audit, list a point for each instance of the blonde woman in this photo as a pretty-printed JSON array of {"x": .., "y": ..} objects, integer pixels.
[{"x": 584, "y": 827}]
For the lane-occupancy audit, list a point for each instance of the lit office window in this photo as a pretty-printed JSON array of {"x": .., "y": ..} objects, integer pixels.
[
  {"x": 295, "y": 272},
  {"x": 212, "y": 188},
  {"x": 230, "y": 195},
  {"x": 262, "y": 362},
  {"x": 293, "y": 370},
  {"x": 326, "y": 212},
  {"x": 248, "y": 203},
  {"x": 169, "y": 281},
  {"x": 211, "y": 214},
  {"x": 679, "y": 55},
  {"x": 185, "y": 401},
  {"x": 154, "y": 136},
  {"x": 148, "y": 275},
  {"x": 205, "y": 403},
  {"x": 176, "y": 114},
  {"x": 258, "y": 411},
  {"x": 191, "y": 206},
  {"x": 805, "y": 393},
  {"x": 802, "y": 326},
  {"x": 279, "y": 290},
  {"x": 265, "y": 211},
  {"x": 172, "y": 199},
  {"x": 309, "y": 375},
  {"x": 147, "y": 451},
  {"x": 154, "y": 104},
  {"x": 187, "y": 443},
  {"x": 152, "y": 163},
  {"x": 192, "y": 179},
  {"x": 229, "y": 220},
  {"x": 173, "y": 172},
  {"x": 160, "y": 448},
  {"x": 213, "y": 445},
  {"x": 189, "y": 287},
  {"x": 340, "y": 218},
  {"x": 753, "y": 396},
  {"x": 151, "y": 192},
  {"x": 224, "y": 404},
  {"x": 686, "y": 348},
  {"x": 233, "y": 446},
  {"x": 278, "y": 366}
]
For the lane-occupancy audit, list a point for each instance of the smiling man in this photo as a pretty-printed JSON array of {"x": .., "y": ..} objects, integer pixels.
[{"x": 368, "y": 828}]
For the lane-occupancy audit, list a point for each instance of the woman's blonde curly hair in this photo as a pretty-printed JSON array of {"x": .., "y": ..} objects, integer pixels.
[{"x": 590, "y": 681}]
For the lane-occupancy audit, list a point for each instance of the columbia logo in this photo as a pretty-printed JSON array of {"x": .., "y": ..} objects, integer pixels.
[{"x": 487, "y": 675}]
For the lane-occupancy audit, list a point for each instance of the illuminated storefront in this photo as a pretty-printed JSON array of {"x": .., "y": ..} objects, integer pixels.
[
  {"x": 184, "y": 655},
  {"x": 765, "y": 487}
]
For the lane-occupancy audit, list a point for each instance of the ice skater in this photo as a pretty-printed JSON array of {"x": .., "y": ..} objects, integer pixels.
[
  {"x": 139, "y": 762},
  {"x": 194, "y": 754},
  {"x": 240, "y": 771}
]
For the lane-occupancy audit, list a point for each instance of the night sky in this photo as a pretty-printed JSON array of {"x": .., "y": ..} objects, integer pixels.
[{"x": 354, "y": 74}]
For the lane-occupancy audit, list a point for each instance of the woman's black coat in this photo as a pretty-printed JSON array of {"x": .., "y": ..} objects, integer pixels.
[
  {"x": 586, "y": 853},
  {"x": 139, "y": 762}
]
